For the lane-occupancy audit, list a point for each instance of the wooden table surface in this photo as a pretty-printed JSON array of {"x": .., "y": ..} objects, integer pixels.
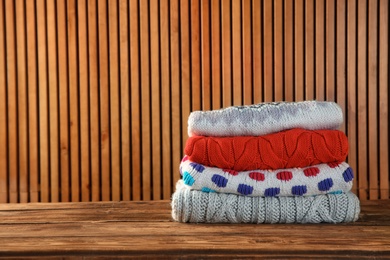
[{"x": 146, "y": 230}]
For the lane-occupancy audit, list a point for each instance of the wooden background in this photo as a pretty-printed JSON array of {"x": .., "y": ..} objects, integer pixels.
[{"x": 95, "y": 95}]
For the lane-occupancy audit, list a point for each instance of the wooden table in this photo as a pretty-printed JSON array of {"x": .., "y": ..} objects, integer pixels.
[{"x": 146, "y": 230}]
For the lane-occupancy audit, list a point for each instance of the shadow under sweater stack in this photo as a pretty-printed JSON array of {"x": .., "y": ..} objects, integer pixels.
[{"x": 268, "y": 163}]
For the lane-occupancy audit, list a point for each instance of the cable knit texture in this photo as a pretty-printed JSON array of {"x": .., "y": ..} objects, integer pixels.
[
  {"x": 265, "y": 118},
  {"x": 312, "y": 180},
  {"x": 197, "y": 206},
  {"x": 287, "y": 149}
]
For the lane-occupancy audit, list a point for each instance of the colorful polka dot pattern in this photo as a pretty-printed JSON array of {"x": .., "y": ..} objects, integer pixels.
[{"x": 320, "y": 179}]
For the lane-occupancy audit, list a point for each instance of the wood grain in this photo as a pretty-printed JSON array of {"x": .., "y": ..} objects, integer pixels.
[
  {"x": 104, "y": 101},
  {"x": 341, "y": 61},
  {"x": 195, "y": 55},
  {"x": 309, "y": 50},
  {"x": 44, "y": 152},
  {"x": 216, "y": 54},
  {"x": 278, "y": 51},
  {"x": 372, "y": 74},
  {"x": 330, "y": 49},
  {"x": 53, "y": 101},
  {"x": 63, "y": 102},
  {"x": 236, "y": 53},
  {"x": 361, "y": 81},
  {"x": 205, "y": 42},
  {"x": 22, "y": 101},
  {"x": 135, "y": 101},
  {"x": 32, "y": 102},
  {"x": 93, "y": 62},
  {"x": 247, "y": 52},
  {"x": 257, "y": 22},
  {"x": 174, "y": 21},
  {"x": 166, "y": 114},
  {"x": 115, "y": 156},
  {"x": 319, "y": 50},
  {"x": 125, "y": 77},
  {"x": 96, "y": 95},
  {"x": 299, "y": 51},
  {"x": 288, "y": 50},
  {"x": 144, "y": 229},
  {"x": 74, "y": 102},
  {"x": 144, "y": 97},
  {"x": 12, "y": 112},
  {"x": 156, "y": 100},
  {"x": 268, "y": 50},
  {"x": 3, "y": 111},
  {"x": 226, "y": 53},
  {"x": 383, "y": 54},
  {"x": 351, "y": 115},
  {"x": 85, "y": 174}
]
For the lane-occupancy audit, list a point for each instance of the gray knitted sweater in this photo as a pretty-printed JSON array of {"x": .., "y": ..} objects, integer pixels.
[{"x": 197, "y": 206}]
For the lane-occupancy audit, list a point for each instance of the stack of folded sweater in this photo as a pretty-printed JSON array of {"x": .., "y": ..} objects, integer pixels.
[{"x": 267, "y": 163}]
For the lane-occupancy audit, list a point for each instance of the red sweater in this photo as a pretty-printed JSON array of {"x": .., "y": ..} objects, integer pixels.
[{"x": 288, "y": 149}]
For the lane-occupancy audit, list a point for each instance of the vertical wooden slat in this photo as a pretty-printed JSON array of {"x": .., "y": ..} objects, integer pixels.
[
  {"x": 361, "y": 99},
  {"x": 145, "y": 99},
  {"x": 114, "y": 100},
  {"x": 236, "y": 52},
  {"x": 216, "y": 54},
  {"x": 155, "y": 99},
  {"x": 226, "y": 54},
  {"x": 53, "y": 100},
  {"x": 319, "y": 49},
  {"x": 73, "y": 100},
  {"x": 194, "y": 43},
  {"x": 205, "y": 54},
  {"x": 288, "y": 51},
  {"x": 43, "y": 105},
  {"x": 278, "y": 50},
  {"x": 12, "y": 102},
  {"x": 267, "y": 51},
  {"x": 135, "y": 101},
  {"x": 166, "y": 101},
  {"x": 32, "y": 101},
  {"x": 125, "y": 101},
  {"x": 84, "y": 101},
  {"x": 257, "y": 53},
  {"x": 341, "y": 58},
  {"x": 175, "y": 87},
  {"x": 299, "y": 50},
  {"x": 185, "y": 68},
  {"x": 22, "y": 100},
  {"x": 63, "y": 100},
  {"x": 94, "y": 99},
  {"x": 104, "y": 100},
  {"x": 3, "y": 111},
  {"x": 247, "y": 52},
  {"x": 309, "y": 50},
  {"x": 372, "y": 74},
  {"x": 384, "y": 98},
  {"x": 330, "y": 50},
  {"x": 351, "y": 88}
]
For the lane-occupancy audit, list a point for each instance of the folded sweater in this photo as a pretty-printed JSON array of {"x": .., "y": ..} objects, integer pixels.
[
  {"x": 197, "y": 206},
  {"x": 265, "y": 118},
  {"x": 313, "y": 180},
  {"x": 287, "y": 149}
]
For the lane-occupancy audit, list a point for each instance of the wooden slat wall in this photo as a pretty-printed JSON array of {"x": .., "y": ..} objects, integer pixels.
[{"x": 95, "y": 95}]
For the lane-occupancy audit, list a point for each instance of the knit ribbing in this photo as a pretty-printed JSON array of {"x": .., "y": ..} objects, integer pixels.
[
  {"x": 288, "y": 149},
  {"x": 198, "y": 207},
  {"x": 265, "y": 118}
]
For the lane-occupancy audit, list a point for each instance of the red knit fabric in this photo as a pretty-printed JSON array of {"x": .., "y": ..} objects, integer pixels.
[{"x": 287, "y": 149}]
